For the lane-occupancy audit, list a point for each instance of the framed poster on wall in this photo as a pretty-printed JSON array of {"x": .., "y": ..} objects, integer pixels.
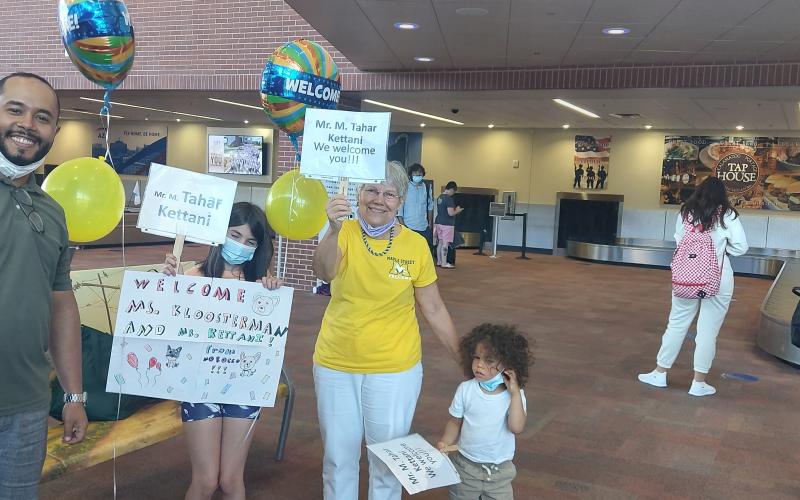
[
  {"x": 758, "y": 172},
  {"x": 133, "y": 147}
]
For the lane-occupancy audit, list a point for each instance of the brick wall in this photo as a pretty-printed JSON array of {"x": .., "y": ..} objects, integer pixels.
[{"x": 212, "y": 45}]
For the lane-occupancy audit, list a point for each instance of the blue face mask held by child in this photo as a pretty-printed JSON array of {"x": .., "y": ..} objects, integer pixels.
[{"x": 491, "y": 384}]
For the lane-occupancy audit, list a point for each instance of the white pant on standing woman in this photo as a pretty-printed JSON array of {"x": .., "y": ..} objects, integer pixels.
[
  {"x": 712, "y": 314},
  {"x": 352, "y": 406}
]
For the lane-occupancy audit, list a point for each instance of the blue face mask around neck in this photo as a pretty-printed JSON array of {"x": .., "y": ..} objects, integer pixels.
[
  {"x": 235, "y": 253},
  {"x": 491, "y": 384}
]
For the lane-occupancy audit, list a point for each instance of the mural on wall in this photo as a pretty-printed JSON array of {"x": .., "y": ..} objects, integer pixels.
[
  {"x": 758, "y": 172},
  {"x": 133, "y": 147},
  {"x": 590, "y": 166}
]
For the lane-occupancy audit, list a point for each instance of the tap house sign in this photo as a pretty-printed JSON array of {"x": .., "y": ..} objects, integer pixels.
[
  {"x": 739, "y": 172},
  {"x": 758, "y": 172}
]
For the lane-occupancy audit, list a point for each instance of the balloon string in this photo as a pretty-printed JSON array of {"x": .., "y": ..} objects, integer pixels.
[
  {"x": 296, "y": 146},
  {"x": 105, "y": 112}
]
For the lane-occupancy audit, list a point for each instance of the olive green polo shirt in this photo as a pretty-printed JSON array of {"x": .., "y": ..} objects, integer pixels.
[{"x": 32, "y": 266}]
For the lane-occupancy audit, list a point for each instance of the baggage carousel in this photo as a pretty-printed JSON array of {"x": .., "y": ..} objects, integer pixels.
[{"x": 782, "y": 266}]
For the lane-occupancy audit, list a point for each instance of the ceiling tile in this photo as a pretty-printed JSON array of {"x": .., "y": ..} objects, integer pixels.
[
  {"x": 681, "y": 37},
  {"x": 710, "y": 13},
  {"x": 626, "y": 11}
]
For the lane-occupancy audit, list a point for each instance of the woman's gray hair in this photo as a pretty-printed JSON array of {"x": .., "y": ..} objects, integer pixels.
[{"x": 396, "y": 176}]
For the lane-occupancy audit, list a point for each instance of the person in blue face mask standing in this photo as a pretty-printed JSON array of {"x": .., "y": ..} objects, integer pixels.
[
  {"x": 417, "y": 210},
  {"x": 487, "y": 411},
  {"x": 218, "y": 436}
]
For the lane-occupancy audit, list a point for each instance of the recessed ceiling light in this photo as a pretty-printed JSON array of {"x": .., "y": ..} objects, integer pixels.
[
  {"x": 616, "y": 31},
  {"x": 575, "y": 108},
  {"x": 411, "y": 111},
  {"x": 177, "y": 119},
  {"x": 423, "y": 59},
  {"x": 471, "y": 11},
  {"x": 406, "y": 26},
  {"x": 153, "y": 109},
  {"x": 739, "y": 127},
  {"x": 246, "y": 122},
  {"x": 146, "y": 118},
  {"x": 491, "y": 125},
  {"x": 235, "y": 103},
  {"x": 88, "y": 113},
  {"x": 648, "y": 127},
  {"x": 421, "y": 124},
  {"x": 565, "y": 126}
]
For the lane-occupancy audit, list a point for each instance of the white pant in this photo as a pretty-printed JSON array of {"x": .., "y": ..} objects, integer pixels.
[
  {"x": 350, "y": 405},
  {"x": 712, "y": 314}
]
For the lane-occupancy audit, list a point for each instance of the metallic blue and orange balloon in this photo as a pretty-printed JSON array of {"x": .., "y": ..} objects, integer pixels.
[
  {"x": 98, "y": 36},
  {"x": 298, "y": 75}
]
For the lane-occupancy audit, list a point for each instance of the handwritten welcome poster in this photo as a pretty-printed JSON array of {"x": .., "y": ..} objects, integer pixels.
[{"x": 199, "y": 339}]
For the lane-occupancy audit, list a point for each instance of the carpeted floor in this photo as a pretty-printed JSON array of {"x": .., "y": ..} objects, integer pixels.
[{"x": 593, "y": 431}]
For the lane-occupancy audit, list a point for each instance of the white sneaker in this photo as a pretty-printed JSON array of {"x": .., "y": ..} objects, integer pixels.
[
  {"x": 654, "y": 378},
  {"x": 701, "y": 389}
]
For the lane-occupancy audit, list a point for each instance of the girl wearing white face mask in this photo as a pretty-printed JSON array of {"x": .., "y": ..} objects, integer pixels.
[{"x": 219, "y": 435}]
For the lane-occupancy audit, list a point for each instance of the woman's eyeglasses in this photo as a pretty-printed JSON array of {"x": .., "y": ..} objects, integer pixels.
[
  {"x": 23, "y": 199},
  {"x": 387, "y": 195}
]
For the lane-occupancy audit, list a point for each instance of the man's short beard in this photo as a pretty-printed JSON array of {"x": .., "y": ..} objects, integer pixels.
[{"x": 44, "y": 148}]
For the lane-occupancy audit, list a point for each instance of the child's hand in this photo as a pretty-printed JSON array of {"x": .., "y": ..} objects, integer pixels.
[
  {"x": 441, "y": 446},
  {"x": 270, "y": 282},
  {"x": 170, "y": 266},
  {"x": 510, "y": 379}
]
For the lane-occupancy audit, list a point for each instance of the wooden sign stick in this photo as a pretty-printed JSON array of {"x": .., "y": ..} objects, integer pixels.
[
  {"x": 177, "y": 248},
  {"x": 344, "y": 185}
]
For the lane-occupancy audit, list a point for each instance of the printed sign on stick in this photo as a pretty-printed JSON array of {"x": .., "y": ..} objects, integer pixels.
[
  {"x": 416, "y": 464},
  {"x": 345, "y": 144},
  {"x": 180, "y": 202}
]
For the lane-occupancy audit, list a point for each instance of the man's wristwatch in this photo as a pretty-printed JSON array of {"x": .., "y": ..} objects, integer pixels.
[{"x": 75, "y": 398}]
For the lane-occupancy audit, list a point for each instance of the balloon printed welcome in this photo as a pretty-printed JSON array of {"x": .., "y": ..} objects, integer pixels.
[
  {"x": 98, "y": 37},
  {"x": 298, "y": 75}
]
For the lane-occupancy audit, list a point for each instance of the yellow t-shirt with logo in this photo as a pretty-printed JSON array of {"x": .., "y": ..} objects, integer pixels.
[{"x": 370, "y": 325}]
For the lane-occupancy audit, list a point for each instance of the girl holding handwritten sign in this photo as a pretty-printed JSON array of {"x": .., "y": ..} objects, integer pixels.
[{"x": 219, "y": 435}]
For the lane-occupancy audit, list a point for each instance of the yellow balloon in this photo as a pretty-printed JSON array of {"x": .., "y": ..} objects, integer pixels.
[
  {"x": 91, "y": 194},
  {"x": 296, "y": 206}
]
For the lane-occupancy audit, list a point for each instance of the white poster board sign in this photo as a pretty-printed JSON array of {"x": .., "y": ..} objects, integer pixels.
[
  {"x": 345, "y": 144},
  {"x": 416, "y": 464},
  {"x": 178, "y": 201},
  {"x": 199, "y": 339}
]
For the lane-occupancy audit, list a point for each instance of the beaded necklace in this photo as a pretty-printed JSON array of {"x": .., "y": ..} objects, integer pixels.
[{"x": 369, "y": 248}]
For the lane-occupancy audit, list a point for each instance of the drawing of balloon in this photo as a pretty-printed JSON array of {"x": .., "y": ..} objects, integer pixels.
[
  {"x": 157, "y": 367},
  {"x": 134, "y": 362},
  {"x": 150, "y": 366}
]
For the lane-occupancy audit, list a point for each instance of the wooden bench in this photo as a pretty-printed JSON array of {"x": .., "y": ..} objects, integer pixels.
[{"x": 97, "y": 294}]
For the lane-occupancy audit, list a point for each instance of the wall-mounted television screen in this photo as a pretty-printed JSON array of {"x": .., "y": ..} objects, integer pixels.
[{"x": 237, "y": 154}]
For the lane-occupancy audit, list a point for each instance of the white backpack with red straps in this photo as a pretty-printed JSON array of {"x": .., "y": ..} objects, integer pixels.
[{"x": 696, "y": 274}]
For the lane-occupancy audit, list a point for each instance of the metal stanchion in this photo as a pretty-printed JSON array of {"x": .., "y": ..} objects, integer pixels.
[
  {"x": 482, "y": 243},
  {"x": 524, "y": 234}
]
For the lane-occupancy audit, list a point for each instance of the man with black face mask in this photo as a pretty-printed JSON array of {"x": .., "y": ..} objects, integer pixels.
[{"x": 37, "y": 306}]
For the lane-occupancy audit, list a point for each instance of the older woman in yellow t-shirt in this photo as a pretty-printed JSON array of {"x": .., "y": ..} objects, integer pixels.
[{"x": 367, "y": 369}]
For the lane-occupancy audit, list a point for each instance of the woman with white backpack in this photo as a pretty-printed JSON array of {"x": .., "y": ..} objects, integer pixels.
[{"x": 707, "y": 231}]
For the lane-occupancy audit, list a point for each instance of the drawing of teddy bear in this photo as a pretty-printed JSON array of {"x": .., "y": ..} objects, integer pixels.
[
  {"x": 264, "y": 304},
  {"x": 248, "y": 363}
]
